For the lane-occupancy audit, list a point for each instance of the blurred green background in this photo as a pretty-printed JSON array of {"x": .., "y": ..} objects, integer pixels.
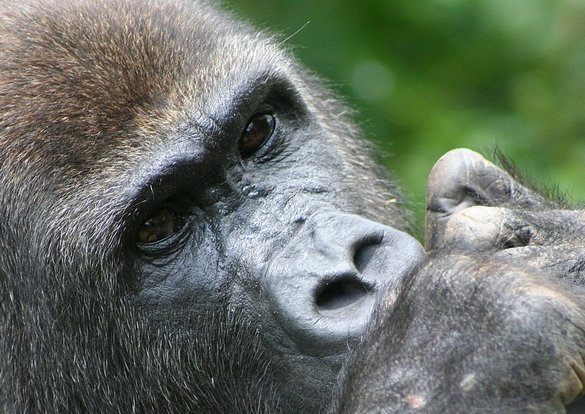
[{"x": 427, "y": 76}]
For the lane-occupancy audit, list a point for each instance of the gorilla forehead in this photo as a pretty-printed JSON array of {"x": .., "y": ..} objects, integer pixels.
[{"x": 116, "y": 72}]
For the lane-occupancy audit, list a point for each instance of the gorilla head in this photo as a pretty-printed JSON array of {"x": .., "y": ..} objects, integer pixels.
[{"x": 184, "y": 215}]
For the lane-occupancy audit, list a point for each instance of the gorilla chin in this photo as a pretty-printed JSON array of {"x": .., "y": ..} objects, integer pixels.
[{"x": 189, "y": 221}]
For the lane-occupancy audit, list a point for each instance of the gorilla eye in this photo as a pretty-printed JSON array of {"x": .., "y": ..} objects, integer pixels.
[
  {"x": 161, "y": 225},
  {"x": 256, "y": 134}
]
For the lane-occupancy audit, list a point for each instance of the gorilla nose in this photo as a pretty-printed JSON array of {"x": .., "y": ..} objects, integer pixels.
[{"x": 326, "y": 280}]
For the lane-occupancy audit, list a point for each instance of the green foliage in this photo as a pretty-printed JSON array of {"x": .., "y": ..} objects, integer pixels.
[{"x": 428, "y": 76}]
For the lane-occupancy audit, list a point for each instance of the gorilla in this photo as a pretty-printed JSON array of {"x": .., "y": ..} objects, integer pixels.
[
  {"x": 493, "y": 320},
  {"x": 189, "y": 221}
]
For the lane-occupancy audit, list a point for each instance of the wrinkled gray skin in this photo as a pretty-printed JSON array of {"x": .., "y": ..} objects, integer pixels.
[
  {"x": 494, "y": 319},
  {"x": 115, "y": 113}
]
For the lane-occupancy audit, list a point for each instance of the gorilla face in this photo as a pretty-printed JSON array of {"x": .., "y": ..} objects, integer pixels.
[{"x": 184, "y": 214}]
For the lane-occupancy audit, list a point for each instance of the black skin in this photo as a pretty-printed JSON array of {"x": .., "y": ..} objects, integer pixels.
[
  {"x": 493, "y": 321},
  {"x": 188, "y": 221}
]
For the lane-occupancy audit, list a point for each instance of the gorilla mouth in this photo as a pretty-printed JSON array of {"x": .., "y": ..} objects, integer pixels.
[{"x": 341, "y": 295}]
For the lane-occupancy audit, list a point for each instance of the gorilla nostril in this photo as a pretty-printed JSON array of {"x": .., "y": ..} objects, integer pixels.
[
  {"x": 365, "y": 252},
  {"x": 340, "y": 294},
  {"x": 519, "y": 237}
]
